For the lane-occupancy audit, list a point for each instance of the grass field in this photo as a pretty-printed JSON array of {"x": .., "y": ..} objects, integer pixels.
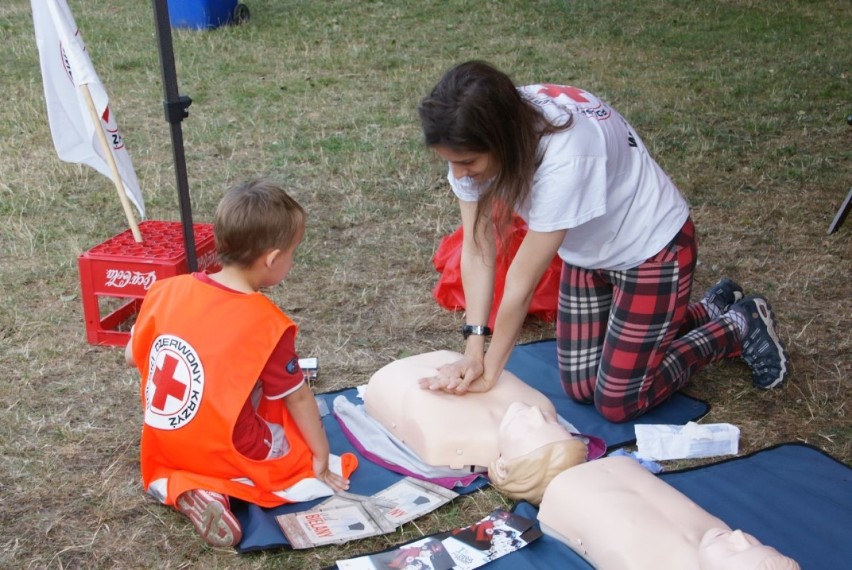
[{"x": 743, "y": 102}]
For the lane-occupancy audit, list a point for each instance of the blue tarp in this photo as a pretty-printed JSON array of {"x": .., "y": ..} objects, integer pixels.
[
  {"x": 792, "y": 497},
  {"x": 535, "y": 363}
]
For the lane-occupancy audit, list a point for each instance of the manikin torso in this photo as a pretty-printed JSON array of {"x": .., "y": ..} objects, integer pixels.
[
  {"x": 619, "y": 516},
  {"x": 445, "y": 429}
]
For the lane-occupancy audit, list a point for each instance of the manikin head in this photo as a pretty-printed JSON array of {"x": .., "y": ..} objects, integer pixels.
[
  {"x": 444, "y": 429},
  {"x": 534, "y": 448}
]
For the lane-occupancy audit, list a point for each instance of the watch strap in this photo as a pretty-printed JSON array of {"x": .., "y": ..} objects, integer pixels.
[{"x": 480, "y": 330}]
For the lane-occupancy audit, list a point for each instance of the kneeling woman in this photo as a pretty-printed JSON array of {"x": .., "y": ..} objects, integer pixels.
[{"x": 582, "y": 179}]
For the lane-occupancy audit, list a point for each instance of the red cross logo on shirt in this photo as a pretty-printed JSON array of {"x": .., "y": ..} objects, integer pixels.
[
  {"x": 573, "y": 93},
  {"x": 166, "y": 383}
]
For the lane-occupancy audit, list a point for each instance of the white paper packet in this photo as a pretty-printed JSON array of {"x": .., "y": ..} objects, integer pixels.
[{"x": 661, "y": 441}]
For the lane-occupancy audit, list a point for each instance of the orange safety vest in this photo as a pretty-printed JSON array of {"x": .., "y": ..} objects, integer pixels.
[{"x": 200, "y": 350}]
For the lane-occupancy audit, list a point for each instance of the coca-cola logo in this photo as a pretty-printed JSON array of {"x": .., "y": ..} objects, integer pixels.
[
  {"x": 209, "y": 259},
  {"x": 121, "y": 278}
]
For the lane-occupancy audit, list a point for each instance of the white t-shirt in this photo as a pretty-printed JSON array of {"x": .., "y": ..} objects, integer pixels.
[{"x": 598, "y": 181}]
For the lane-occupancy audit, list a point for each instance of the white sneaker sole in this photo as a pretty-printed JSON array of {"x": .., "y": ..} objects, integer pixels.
[
  {"x": 765, "y": 313},
  {"x": 214, "y": 523}
]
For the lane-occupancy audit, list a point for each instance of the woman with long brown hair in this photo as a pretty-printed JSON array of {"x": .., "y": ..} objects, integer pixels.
[{"x": 575, "y": 170}]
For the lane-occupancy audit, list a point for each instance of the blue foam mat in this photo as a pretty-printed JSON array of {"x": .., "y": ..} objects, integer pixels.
[
  {"x": 260, "y": 531},
  {"x": 535, "y": 363},
  {"x": 792, "y": 497}
]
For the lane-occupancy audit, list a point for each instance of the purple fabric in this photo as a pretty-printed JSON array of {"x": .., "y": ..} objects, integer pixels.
[
  {"x": 595, "y": 448},
  {"x": 446, "y": 482}
]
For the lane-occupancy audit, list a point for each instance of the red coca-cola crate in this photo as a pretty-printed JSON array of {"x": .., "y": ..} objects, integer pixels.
[{"x": 115, "y": 275}]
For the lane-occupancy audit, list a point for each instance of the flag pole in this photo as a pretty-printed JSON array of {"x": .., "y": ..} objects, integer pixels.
[{"x": 116, "y": 177}]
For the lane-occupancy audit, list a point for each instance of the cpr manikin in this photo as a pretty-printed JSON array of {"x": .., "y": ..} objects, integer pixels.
[
  {"x": 617, "y": 515},
  {"x": 533, "y": 449},
  {"x": 445, "y": 429}
]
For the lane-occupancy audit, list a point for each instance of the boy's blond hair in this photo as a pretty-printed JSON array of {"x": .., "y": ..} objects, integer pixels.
[{"x": 253, "y": 218}]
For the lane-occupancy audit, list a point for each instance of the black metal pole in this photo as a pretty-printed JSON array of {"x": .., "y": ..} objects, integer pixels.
[
  {"x": 176, "y": 109},
  {"x": 841, "y": 214}
]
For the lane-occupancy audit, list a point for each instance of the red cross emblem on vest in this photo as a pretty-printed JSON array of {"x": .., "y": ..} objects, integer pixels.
[
  {"x": 166, "y": 384},
  {"x": 175, "y": 383}
]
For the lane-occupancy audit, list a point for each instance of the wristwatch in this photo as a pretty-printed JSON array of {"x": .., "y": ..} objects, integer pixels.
[{"x": 481, "y": 330}]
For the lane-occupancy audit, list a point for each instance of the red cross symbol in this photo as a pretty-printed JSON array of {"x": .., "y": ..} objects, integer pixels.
[
  {"x": 166, "y": 383},
  {"x": 555, "y": 91}
]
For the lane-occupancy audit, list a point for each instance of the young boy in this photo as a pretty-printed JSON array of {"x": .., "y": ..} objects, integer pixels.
[{"x": 227, "y": 409}]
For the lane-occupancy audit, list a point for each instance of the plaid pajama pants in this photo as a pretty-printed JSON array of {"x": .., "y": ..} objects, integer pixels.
[{"x": 628, "y": 340}]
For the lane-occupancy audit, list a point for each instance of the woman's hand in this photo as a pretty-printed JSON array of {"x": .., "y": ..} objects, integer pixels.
[{"x": 464, "y": 375}]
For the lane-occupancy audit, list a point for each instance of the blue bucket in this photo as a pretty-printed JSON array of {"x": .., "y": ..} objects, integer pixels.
[{"x": 204, "y": 14}]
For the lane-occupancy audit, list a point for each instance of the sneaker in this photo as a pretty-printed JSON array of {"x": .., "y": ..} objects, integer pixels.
[
  {"x": 762, "y": 349},
  {"x": 723, "y": 294},
  {"x": 211, "y": 516}
]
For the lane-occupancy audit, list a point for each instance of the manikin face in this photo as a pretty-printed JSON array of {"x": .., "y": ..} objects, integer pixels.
[
  {"x": 480, "y": 166},
  {"x": 526, "y": 428},
  {"x": 734, "y": 550}
]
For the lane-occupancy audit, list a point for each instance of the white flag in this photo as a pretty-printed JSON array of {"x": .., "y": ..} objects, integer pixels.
[{"x": 64, "y": 66}]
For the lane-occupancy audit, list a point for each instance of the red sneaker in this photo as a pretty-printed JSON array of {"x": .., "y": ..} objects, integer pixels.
[{"x": 211, "y": 515}]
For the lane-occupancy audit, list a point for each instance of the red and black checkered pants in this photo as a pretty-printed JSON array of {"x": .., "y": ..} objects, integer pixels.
[{"x": 628, "y": 340}]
